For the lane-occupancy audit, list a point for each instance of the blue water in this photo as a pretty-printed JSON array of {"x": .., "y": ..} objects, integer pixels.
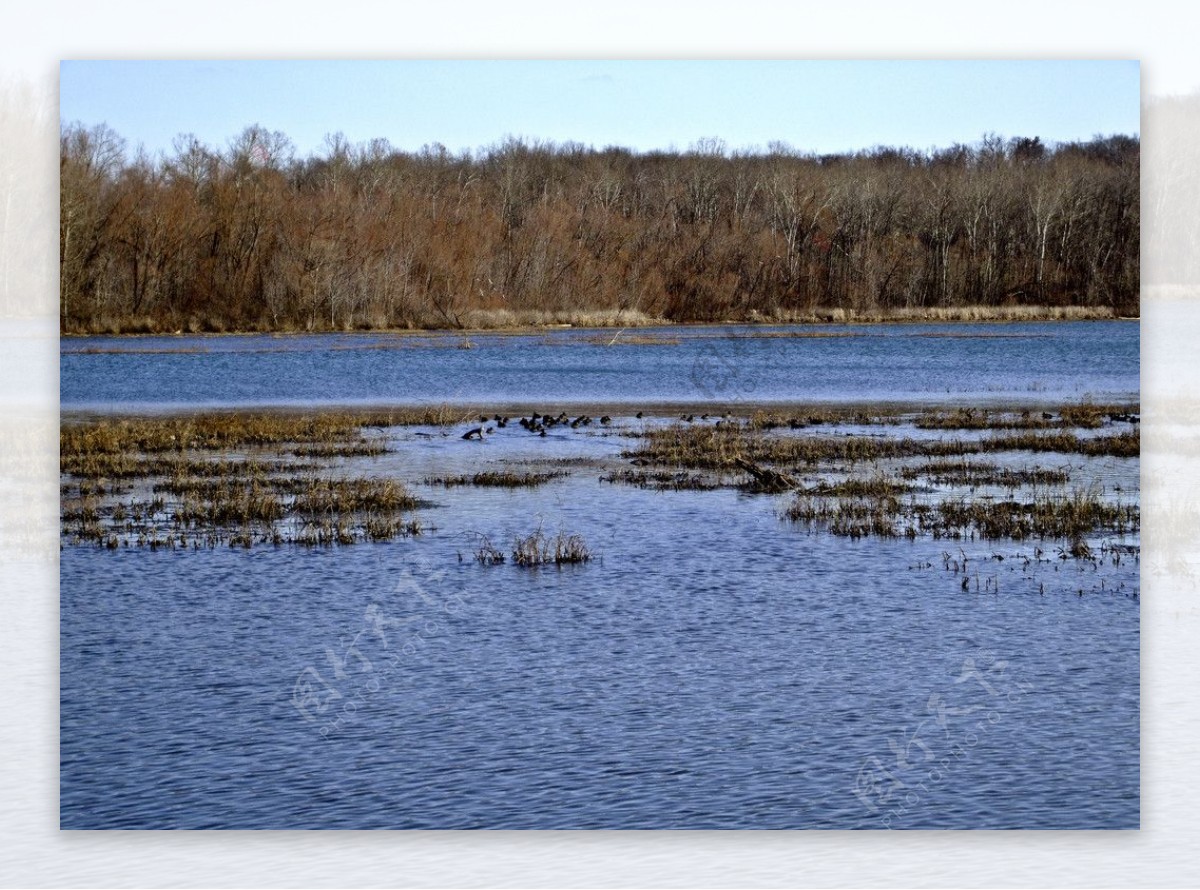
[
  {"x": 715, "y": 667},
  {"x": 1049, "y": 362}
]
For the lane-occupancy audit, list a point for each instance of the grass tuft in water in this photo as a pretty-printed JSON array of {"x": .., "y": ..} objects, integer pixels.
[{"x": 539, "y": 549}]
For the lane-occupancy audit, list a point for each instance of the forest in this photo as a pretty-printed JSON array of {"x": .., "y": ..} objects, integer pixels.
[{"x": 361, "y": 236}]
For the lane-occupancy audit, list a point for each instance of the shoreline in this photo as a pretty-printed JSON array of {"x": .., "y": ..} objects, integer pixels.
[
  {"x": 507, "y": 322},
  {"x": 470, "y": 411}
]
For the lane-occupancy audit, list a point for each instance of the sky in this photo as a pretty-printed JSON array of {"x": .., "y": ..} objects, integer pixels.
[{"x": 819, "y": 106}]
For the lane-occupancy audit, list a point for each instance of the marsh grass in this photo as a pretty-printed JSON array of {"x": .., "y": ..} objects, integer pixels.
[
  {"x": 347, "y": 449},
  {"x": 237, "y": 430},
  {"x": 487, "y": 553},
  {"x": 973, "y": 419},
  {"x": 1068, "y": 516},
  {"x": 624, "y": 338},
  {"x": 766, "y": 420},
  {"x": 876, "y": 487},
  {"x": 1082, "y": 415},
  {"x": 663, "y": 481},
  {"x": 247, "y": 509},
  {"x": 973, "y": 473},
  {"x": 232, "y": 505},
  {"x": 1124, "y": 444},
  {"x": 352, "y": 496},
  {"x": 498, "y": 479},
  {"x": 539, "y": 549},
  {"x": 722, "y": 447},
  {"x": 851, "y": 517}
]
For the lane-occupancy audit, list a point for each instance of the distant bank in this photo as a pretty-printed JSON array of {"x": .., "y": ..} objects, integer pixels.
[{"x": 507, "y": 320}]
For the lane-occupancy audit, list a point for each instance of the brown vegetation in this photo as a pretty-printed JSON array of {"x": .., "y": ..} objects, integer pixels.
[
  {"x": 254, "y": 238},
  {"x": 1068, "y": 517},
  {"x": 728, "y": 445},
  {"x": 498, "y": 479}
]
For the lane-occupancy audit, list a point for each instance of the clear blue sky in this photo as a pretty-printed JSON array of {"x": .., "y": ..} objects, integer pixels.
[{"x": 823, "y": 106}]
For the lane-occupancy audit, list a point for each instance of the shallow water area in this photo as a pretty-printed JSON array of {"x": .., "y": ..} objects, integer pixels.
[{"x": 714, "y": 664}]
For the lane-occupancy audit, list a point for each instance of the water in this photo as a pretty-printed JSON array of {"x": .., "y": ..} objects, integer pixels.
[
  {"x": 715, "y": 667},
  {"x": 889, "y": 363}
]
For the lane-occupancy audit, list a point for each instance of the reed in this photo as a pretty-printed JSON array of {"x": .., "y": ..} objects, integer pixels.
[
  {"x": 488, "y": 554},
  {"x": 540, "y": 549}
]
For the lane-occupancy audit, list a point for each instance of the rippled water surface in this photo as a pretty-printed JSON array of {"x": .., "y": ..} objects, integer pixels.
[
  {"x": 906, "y": 363},
  {"x": 716, "y": 666}
]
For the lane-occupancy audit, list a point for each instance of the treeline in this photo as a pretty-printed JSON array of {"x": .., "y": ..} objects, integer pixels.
[{"x": 252, "y": 237}]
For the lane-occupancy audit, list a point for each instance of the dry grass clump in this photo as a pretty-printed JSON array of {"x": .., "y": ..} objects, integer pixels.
[
  {"x": 319, "y": 434},
  {"x": 233, "y": 504},
  {"x": 246, "y": 509},
  {"x": 1125, "y": 444},
  {"x": 495, "y": 479},
  {"x": 876, "y": 487},
  {"x": 967, "y": 472},
  {"x": 853, "y": 517},
  {"x": 539, "y": 549},
  {"x": 353, "y": 496},
  {"x": 1082, "y": 415},
  {"x": 346, "y": 449},
  {"x": 663, "y": 481},
  {"x": 1070, "y": 516},
  {"x": 487, "y": 553},
  {"x": 723, "y": 446},
  {"x": 1085, "y": 415},
  {"x": 727, "y": 445},
  {"x": 1047, "y": 517},
  {"x": 975, "y": 419},
  {"x": 203, "y": 432},
  {"x": 766, "y": 420}
]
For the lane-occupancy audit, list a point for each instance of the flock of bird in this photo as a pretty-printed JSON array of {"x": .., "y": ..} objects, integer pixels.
[{"x": 536, "y": 423}]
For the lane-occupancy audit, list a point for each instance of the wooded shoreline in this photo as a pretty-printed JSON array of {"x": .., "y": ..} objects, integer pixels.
[{"x": 366, "y": 237}]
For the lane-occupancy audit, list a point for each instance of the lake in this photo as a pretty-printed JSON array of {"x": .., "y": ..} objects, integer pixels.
[
  {"x": 981, "y": 364},
  {"x": 714, "y": 665}
]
